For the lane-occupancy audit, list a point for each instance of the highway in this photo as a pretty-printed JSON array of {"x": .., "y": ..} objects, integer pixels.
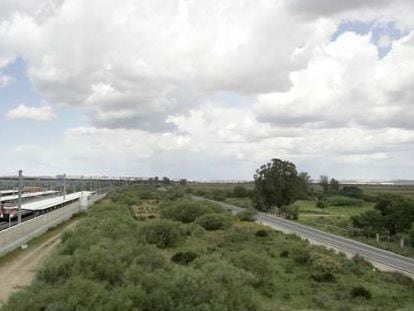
[{"x": 382, "y": 259}]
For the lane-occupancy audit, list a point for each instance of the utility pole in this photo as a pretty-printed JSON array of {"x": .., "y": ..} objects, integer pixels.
[
  {"x": 1, "y": 204},
  {"x": 19, "y": 200},
  {"x": 82, "y": 184},
  {"x": 64, "y": 187}
]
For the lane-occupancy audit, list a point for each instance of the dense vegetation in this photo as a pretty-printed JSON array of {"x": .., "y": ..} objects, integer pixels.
[
  {"x": 278, "y": 184},
  {"x": 341, "y": 209},
  {"x": 143, "y": 249},
  {"x": 392, "y": 214}
]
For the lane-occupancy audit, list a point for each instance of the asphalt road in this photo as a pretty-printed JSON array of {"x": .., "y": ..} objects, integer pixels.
[{"x": 381, "y": 258}]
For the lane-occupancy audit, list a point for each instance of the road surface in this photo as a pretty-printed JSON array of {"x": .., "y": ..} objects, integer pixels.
[{"x": 382, "y": 259}]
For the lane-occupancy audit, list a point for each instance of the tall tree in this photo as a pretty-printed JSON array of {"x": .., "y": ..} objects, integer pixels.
[
  {"x": 277, "y": 184},
  {"x": 324, "y": 182},
  {"x": 334, "y": 186}
]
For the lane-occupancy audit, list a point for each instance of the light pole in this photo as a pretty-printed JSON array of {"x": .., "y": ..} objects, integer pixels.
[
  {"x": 19, "y": 200},
  {"x": 64, "y": 187}
]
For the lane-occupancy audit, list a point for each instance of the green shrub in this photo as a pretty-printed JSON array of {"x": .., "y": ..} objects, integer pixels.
[
  {"x": 184, "y": 257},
  {"x": 247, "y": 215},
  {"x": 323, "y": 277},
  {"x": 353, "y": 192},
  {"x": 193, "y": 229},
  {"x": 412, "y": 235},
  {"x": 340, "y": 200},
  {"x": 399, "y": 278},
  {"x": 150, "y": 258},
  {"x": 325, "y": 263},
  {"x": 256, "y": 263},
  {"x": 162, "y": 232},
  {"x": 187, "y": 211},
  {"x": 284, "y": 253},
  {"x": 289, "y": 211},
  {"x": 321, "y": 204},
  {"x": 360, "y": 291},
  {"x": 214, "y": 221},
  {"x": 262, "y": 233},
  {"x": 215, "y": 285},
  {"x": 301, "y": 255},
  {"x": 238, "y": 234},
  {"x": 240, "y": 192}
]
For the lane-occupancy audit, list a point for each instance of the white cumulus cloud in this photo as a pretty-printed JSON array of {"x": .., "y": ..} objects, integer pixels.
[
  {"x": 43, "y": 113},
  {"x": 213, "y": 89}
]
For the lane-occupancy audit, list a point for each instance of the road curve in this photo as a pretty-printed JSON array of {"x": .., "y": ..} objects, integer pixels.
[{"x": 381, "y": 258}]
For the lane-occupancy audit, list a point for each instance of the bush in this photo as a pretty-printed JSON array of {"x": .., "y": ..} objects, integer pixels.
[
  {"x": 325, "y": 263},
  {"x": 412, "y": 235},
  {"x": 218, "y": 195},
  {"x": 162, "y": 233},
  {"x": 215, "y": 285},
  {"x": 360, "y": 291},
  {"x": 340, "y": 200},
  {"x": 262, "y": 233},
  {"x": 247, "y": 215},
  {"x": 256, "y": 263},
  {"x": 214, "y": 221},
  {"x": 358, "y": 265},
  {"x": 184, "y": 257},
  {"x": 238, "y": 234},
  {"x": 284, "y": 253},
  {"x": 187, "y": 211},
  {"x": 321, "y": 204},
  {"x": 323, "y": 277},
  {"x": 240, "y": 192},
  {"x": 290, "y": 212},
  {"x": 301, "y": 255},
  {"x": 193, "y": 229},
  {"x": 353, "y": 192}
]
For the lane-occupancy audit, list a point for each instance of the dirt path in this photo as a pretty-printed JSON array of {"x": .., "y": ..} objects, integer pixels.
[{"x": 20, "y": 271}]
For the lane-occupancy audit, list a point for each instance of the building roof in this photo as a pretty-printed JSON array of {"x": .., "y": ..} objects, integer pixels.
[
  {"x": 7, "y": 192},
  {"x": 27, "y": 195},
  {"x": 52, "y": 202}
]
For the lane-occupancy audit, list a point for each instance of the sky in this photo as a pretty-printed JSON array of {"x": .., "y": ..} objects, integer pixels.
[{"x": 207, "y": 90}]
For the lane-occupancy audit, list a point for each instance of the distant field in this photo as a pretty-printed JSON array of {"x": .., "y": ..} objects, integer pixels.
[
  {"x": 218, "y": 186},
  {"x": 403, "y": 190},
  {"x": 334, "y": 219},
  {"x": 146, "y": 249}
]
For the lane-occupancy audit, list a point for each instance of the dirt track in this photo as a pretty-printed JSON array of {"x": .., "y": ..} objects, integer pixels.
[{"x": 20, "y": 271}]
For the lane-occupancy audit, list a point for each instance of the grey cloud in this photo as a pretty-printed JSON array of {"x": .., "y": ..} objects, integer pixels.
[
  {"x": 171, "y": 56},
  {"x": 314, "y": 8}
]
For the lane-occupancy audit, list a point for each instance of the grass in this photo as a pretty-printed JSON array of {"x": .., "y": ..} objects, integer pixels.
[
  {"x": 308, "y": 207},
  {"x": 106, "y": 263},
  {"x": 403, "y": 190},
  {"x": 336, "y": 220},
  {"x": 242, "y": 202},
  {"x": 218, "y": 186}
]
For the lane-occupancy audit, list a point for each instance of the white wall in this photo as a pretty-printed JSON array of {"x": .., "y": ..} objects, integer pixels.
[{"x": 18, "y": 235}]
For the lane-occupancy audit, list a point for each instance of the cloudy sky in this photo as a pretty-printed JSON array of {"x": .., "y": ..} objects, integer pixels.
[{"x": 207, "y": 89}]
